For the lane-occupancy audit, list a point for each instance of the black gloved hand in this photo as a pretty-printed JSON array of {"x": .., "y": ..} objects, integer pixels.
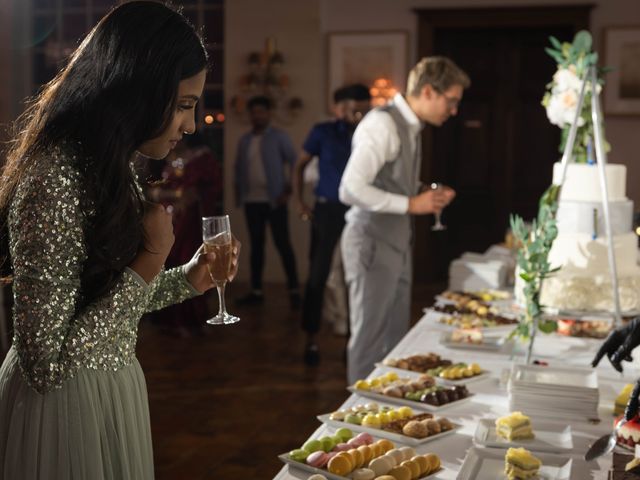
[
  {"x": 619, "y": 344},
  {"x": 631, "y": 410}
]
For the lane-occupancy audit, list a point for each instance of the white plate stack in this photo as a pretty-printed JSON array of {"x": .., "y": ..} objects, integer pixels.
[{"x": 558, "y": 392}]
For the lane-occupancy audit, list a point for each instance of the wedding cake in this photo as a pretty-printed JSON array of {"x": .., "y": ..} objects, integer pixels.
[{"x": 581, "y": 248}]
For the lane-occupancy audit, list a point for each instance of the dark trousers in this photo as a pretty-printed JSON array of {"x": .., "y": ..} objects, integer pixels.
[
  {"x": 328, "y": 222},
  {"x": 258, "y": 215}
]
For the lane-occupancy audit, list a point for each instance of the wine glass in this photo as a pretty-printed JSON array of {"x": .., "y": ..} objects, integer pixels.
[
  {"x": 438, "y": 226},
  {"x": 216, "y": 234}
]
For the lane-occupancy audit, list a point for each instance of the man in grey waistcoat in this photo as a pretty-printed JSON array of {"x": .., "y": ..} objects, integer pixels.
[{"x": 381, "y": 183}]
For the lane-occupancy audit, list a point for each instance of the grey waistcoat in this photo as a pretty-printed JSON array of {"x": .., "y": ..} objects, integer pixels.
[{"x": 398, "y": 176}]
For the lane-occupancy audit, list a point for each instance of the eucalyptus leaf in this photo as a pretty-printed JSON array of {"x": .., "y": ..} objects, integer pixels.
[{"x": 555, "y": 42}]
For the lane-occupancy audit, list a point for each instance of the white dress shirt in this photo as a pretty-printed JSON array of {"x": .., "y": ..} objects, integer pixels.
[
  {"x": 375, "y": 142},
  {"x": 258, "y": 190}
]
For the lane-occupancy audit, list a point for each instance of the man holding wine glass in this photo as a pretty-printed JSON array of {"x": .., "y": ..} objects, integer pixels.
[{"x": 381, "y": 183}]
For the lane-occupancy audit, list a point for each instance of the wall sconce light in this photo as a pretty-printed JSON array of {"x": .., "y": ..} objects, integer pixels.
[
  {"x": 382, "y": 91},
  {"x": 266, "y": 77}
]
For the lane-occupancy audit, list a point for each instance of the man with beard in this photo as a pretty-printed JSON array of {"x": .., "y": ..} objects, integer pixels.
[{"x": 331, "y": 143}]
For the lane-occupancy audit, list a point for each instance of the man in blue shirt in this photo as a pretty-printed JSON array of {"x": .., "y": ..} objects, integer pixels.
[
  {"x": 331, "y": 143},
  {"x": 264, "y": 160}
]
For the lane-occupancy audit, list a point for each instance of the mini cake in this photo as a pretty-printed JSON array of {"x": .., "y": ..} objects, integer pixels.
[
  {"x": 470, "y": 335},
  {"x": 629, "y": 434},
  {"x": 515, "y": 426},
  {"x": 622, "y": 399},
  {"x": 520, "y": 464}
]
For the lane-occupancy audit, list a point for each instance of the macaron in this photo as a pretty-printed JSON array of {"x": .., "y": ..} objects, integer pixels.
[
  {"x": 434, "y": 461},
  {"x": 317, "y": 459},
  {"x": 339, "y": 465},
  {"x": 342, "y": 447},
  {"x": 386, "y": 444},
  {"x": 365, "y": 437},
  {"x": 400, "y": 473},
  {"x": 408, "y": 452},
  {"x": 392, "y": 459},
  {"x": 380, "y": 465},
  {"x": 363, "y": 474},
  {"x": 397, "y": 454},
  {"x": 367, "y": 453},
  {"x": 422, "y": 462},
  {"x": 413, "y": 466},
  {"x": 317, "y": 476}
]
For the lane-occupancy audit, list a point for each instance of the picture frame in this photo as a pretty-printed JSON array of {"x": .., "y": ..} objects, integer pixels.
[
  {"x": 622, "y": 84},
  {"x": 363, "y": 57}
]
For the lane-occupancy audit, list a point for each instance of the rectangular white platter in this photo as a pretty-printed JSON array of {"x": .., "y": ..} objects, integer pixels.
[{"x": 549, "y": 437}]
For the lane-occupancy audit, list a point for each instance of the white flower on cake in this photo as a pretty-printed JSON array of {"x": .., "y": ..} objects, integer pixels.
[
  {"x": 561, "y": 109},
  {"x": 561, "y": 97}
]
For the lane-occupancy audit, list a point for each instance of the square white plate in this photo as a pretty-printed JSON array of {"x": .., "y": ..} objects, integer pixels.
[
  {"x": 396, "y": 437},
  {"x": 549, "y": 437},
  {"x": 563, "y": 378},
  {"x": 488, "y": 464},
  {"x": 410, "y": 403},
  {"x": 284, "y": 458}
]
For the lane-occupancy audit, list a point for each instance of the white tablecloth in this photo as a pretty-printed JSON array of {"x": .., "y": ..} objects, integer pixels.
[{"x": 491, "y": 398}]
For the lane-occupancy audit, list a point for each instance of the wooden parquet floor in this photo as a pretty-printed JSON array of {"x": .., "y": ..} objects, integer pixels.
[{"x": 225, "y": 404}]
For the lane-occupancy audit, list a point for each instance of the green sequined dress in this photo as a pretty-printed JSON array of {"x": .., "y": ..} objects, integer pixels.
[{"x": 73, "y": 399}]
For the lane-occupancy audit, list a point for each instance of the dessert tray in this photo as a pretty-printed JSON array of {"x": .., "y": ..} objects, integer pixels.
[
  {"x": 489, "y": 344},
  {"x": 444, "y": 381},
  {"x": 411, "y": 403},
  {"x": 284, "y": 458},
  {"x": 549, "y": 437},
  {"x": 453, "y": 321},
  {"x": 378, "y": 432},
  {"x": 488, "y": 464}
]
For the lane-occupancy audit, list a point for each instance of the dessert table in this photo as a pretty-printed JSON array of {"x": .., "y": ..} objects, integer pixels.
[{"x": 491, "y": 396}]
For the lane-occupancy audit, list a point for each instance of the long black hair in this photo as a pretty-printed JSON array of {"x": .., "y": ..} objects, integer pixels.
[{"x": 118, "y": 90}]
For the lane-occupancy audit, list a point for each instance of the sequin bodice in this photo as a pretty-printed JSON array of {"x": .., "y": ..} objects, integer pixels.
[{"x": 53, "y": 336}]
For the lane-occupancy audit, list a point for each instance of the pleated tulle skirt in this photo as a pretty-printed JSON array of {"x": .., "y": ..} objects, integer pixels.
[{"x": 95, "y": 427}]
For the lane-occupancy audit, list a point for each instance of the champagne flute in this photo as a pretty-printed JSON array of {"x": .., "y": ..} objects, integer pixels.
[
  {"x": 216, "y": 234},
  {"x": 438, "y": 226}
]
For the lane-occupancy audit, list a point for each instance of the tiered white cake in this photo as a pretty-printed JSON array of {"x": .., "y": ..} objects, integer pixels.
[{"x": 584, "y": 282}]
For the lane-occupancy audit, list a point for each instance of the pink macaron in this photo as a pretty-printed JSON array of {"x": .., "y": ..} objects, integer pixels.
[
  {"x": 364, "y": 437},
  {"x": 342, "y": 447},
  {"x": 318, "y": 459}
]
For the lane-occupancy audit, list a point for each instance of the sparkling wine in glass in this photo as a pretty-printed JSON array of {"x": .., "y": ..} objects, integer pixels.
[
  {"x": 438, "y": 226},
  {"x": 216, "y": 234}
]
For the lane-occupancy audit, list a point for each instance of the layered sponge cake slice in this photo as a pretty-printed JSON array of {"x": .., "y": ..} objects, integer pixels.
[
  {"x": 515, "y": 426},
  {"x": 520, "y": 464}
]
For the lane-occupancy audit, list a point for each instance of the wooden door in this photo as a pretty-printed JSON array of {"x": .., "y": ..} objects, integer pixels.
[{"x": 498, "y": 153}]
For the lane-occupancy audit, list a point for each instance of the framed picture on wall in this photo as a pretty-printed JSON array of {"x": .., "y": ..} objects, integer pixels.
[
  {"x": 622, "y": 87},
  {"x": 377, "y": 59}
]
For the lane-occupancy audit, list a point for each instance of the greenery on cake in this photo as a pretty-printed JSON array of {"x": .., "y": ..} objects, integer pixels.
[
  {"x": 534, "y": 243},
  {"x": 562, "y": 94}
]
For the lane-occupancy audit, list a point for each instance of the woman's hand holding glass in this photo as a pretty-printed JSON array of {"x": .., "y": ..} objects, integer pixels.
[
  {"x": 197, "y": 270},
  {"x": 217, "y": 237}
]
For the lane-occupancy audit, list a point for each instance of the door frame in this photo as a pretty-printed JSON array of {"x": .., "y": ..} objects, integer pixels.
[{"x": 431, "y": 19}]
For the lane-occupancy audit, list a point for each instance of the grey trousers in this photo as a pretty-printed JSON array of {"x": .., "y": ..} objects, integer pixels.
[{"x": 379, "y": 281}]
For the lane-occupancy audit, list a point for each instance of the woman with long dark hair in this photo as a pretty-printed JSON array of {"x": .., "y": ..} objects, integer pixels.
[{"x": 87, "y": 251}]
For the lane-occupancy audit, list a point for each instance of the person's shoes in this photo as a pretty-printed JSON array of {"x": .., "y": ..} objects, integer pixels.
[
  {"x": 250, "y": 299},
  {"x": 294, "y": 300},
  {"x": 311, "y": 355}
]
